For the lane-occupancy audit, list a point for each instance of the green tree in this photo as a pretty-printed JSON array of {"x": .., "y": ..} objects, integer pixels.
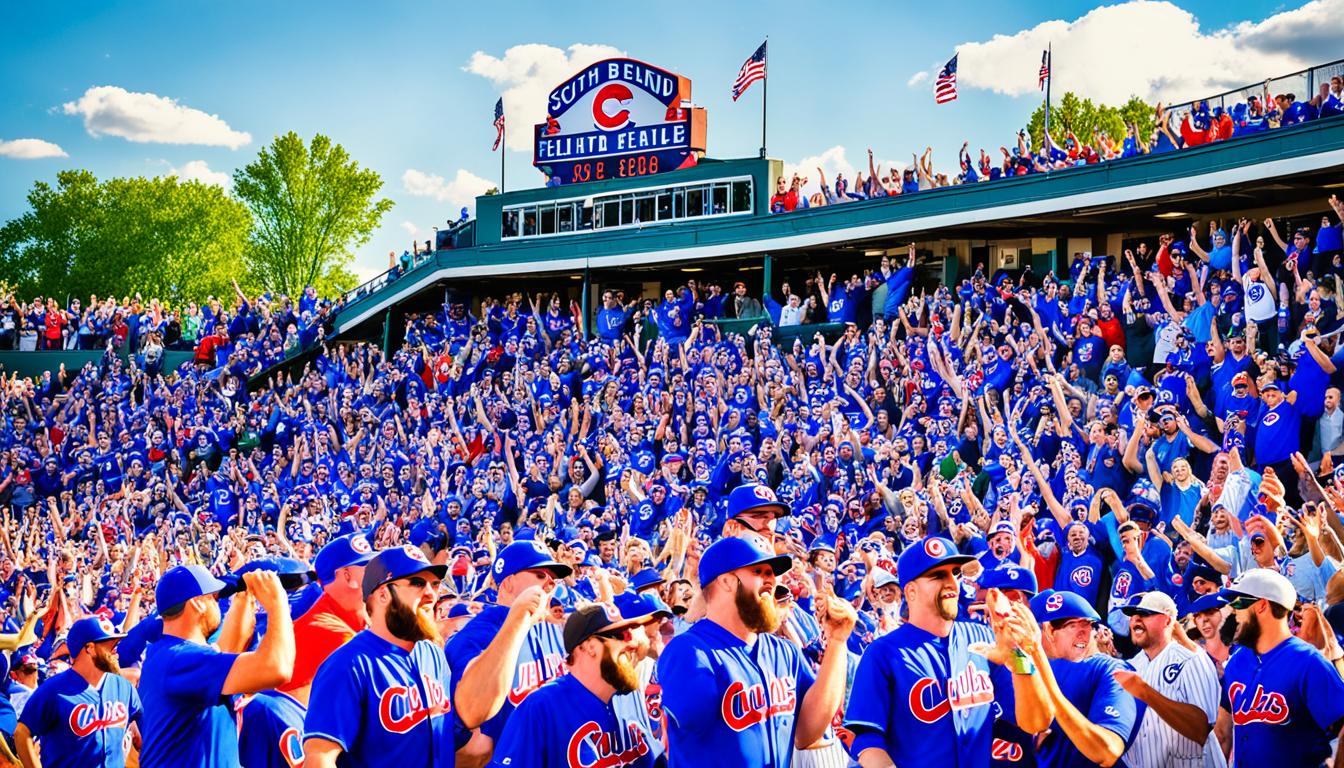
[
  {"x": 1085, "y": 119},
  {"x": 158, "y": 237},
  {"x": 311, "y": 207}
]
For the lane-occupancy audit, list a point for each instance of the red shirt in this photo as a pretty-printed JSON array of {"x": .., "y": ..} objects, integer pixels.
[{"x": 316, "y": 641}]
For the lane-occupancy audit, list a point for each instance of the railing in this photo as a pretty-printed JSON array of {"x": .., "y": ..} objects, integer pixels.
[{"x": 1302, "y": 84}]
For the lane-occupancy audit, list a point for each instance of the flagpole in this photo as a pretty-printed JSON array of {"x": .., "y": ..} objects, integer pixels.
[
  {"x": 1049, "y": 77},
  {"x": 765, "y": 84},
  {"x": 503, "y": 147}
]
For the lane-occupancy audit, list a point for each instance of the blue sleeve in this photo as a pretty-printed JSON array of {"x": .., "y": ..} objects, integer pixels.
[
  {"x": 1004, "y": 695},
  {"x": 206, "y": 668},
  {"x": 37, "y": 714},
  {"x": 526, "y": 729},
  {"x": 1322, "y": 688},
  {"x": 336, "y": 705},
  {"x": 684, "y": 700},
  {"x": 870, "y": 697},
  {"x": 1112, "y": 707}
]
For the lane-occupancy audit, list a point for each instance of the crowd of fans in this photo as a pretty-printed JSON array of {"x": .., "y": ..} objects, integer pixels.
[
  {"x": 1201, "y": 124},
  {"x": 1162, "y": 421}
]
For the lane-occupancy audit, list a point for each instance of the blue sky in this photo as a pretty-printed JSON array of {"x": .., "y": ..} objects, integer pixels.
[{"x": 408, "y": 88}]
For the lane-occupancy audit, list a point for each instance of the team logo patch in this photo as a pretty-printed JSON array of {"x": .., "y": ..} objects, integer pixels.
[
  {"x": 934, "y": 548},
  {"x": 1170, "y": 673},
  {"x": 1005, "y": 751},
  {"x": 402, "y": 708},
  {"x": 744, "y": 706},
  {"x": 1270, "y": 419},
  {"x": 1054, "y": 602},
  {"x": 1082, "y": 576},
  {"x": 592, "y": 747},
  {"x": 360, "y": 545},
  {"x": 86, "y": 719},
  {"x": 1122, "y": 583},
  {"x": 291, "y": 747},
  {"x": 1269, "y": 707},
  {"x": 414, "y": 553},
  {"x": 764, "y": 493}
]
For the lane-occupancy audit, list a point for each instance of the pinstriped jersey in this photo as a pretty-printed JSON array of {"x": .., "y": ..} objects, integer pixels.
[{"x": 1181, "y": 675}]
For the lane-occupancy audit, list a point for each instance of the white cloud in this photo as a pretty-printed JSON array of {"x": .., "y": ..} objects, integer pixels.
[
  {"x": 411, "y": 229},
  {"x": 1152, "y": 49},
  {"x": 462, "y": 190},
  {"x": 148, "y": 118},
  {"x": 916, "y": 79},
  {"x": 199, "y": 170},
  {"x": 525, "y": 76},
  {"x": 30, "y": 149}
]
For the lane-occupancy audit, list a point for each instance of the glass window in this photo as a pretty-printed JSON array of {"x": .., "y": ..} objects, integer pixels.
[
  {"x": 529, "y": 222},
  {"x": 720, "y": 198},
  {"x": 741, "y": 196},
  {"x": 589, "y": 213},
  {"x": 644, "y": 209},
  {"x": 510, "y": 228},
  {"x": 664, "y": 206},
  {"x": 611, "y": 213},
  {"x": 695, "y": 202},
  {"x": 679, "y": 204},
  {"x": 627, "y": 210},
  {"x": 565, "y": 217},
  {"x": 547, "y": 215}
]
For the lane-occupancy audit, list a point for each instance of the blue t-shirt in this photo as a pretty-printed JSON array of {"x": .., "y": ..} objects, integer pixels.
[
  {"x": 1090, "y": 686},
  {"x": 1286, "y": 705},
  {"x": 563, "y": 724},
  {"x": 270, "y": 731},
  {"x": 384, "y": 705},
  {"x": 78, "y": 725},
  {"x": 728, "y": 703},
  {"x": 187, "y": 718}
]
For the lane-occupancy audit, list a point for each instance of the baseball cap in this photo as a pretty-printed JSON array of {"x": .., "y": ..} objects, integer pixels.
[
  {"x": 1150, "y": 604},
  {"x": 590, "y": 620},
  {"x": 726, "y": 555},
  {"x": 458, "y": 611},
  {"x": 1208, "y": 603},
  {"x": 342, "y": 552},
  {"x": 754, "y": 496},
  {"x": 91, "y": 629},
  {"x": 883, "y": 578},
  {"x": 925, "y": 555},
  {"x": 1052, "y": 605},
  {"x": 1010, "y": 577},
  {"x": 183, "y": 582},
  {"x": 1003, "y": 526},
  {"x": 633, "y": 606},
  {"x": 397, "y": 563},
  {"x": 1274, "y": 385},
  {"x": 1263, "y": 584},
  {"x": 645, "y": 579},
  {"x": 526, "y": 555},
  {"x": 25, "y": 660}
]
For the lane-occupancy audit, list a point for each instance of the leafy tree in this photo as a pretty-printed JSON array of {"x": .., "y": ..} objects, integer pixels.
[
  {"x": 311, "y": 206},
  {"x": 1085, "y": 118},
  {"x": 158, "y": 237}
]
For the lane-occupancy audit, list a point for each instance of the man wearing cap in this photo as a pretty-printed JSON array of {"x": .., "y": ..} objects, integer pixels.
[
  {"x": 1179, "y": 685},
  {"x": 1277, "y": 437},
  {"x": 1095, "y": 718},
  {"x": 753, "y": 509},
  {"x": 733, "y": 693},
  {"x": 922, "y": 696},
  {"x": 81, "y": 716},
  {"x": 523, "y": 572},
  {"x": 649, "y": 695},
  {"x": 1282, "y": 700},
  {"x": 185, "y": 684},
  {"x": 337, "y": 615},
  {"x": 586, "y": 717},
  {"x": 1002, "y": 546}
]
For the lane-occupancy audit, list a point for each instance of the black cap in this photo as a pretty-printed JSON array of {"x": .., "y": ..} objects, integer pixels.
[{"x": 588, "y": 621}]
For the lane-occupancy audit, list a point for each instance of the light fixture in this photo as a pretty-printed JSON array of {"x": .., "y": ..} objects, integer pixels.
[
  {"x": 1333, "y": 186},
  {"x": 576, "y": 277},
  {"x": 873, "y": 253},
  {"x": 749, "y": 269},
  {"x": 692, "y": 269},
  {"x": 1173, "y": 215}
]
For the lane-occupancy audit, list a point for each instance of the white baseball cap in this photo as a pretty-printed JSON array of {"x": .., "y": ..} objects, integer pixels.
[
  {"x": 1263, "y": 584},
  {"x": 1149, "y": 604}
]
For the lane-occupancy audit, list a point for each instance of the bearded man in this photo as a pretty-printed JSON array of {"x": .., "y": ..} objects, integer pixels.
[
  {"x": 733, "y": 693},
  {"x": 81, "y": 716}
]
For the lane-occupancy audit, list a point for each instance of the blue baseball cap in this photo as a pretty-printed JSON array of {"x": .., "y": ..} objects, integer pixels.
[
  {"x": 1208, "y": 603},
  {"x": 458, "y": 611},
  {"x": 726, "y": 555},
  {"x": 92, "y": 629},
  {"x": 1010, "y": 577},
  {"x": 633, "y": 606},
  {"x": 1052, "y": 605},
  {"x": 745, "y": 498},
  {"x": 397, "y": 563},
  {"x": 926, "y": 554},
  {"x": 526, "y": 555},
  {"x": 183, "y": 582},
  {"x": 342, "y": 552},
  {"x": 644, "y": 579}
]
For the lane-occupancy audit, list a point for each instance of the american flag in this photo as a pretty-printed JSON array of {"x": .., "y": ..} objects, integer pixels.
[
  {"x": 945, "y": 87},
  {"x": 753, "y": 69},
  {"x": 499, "y": 123},
  {"x": 1045, "y": 69}
]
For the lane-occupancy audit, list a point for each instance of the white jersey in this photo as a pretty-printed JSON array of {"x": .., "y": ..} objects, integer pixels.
[
  {"x": 1260, "y": 304},
  {"x": 1183, "y": 675}
]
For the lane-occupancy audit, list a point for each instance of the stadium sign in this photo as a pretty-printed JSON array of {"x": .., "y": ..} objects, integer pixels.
[{"x": 618, "y": 118}]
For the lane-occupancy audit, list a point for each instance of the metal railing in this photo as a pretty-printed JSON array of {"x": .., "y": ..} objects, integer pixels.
[{"x": 1302, "y": 84}]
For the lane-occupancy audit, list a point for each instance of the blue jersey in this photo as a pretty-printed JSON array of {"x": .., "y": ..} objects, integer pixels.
[
  {"x": 1276, "y": 436},
  {"x": 270, "y": 731},
  {"x": 728, "y": 703},
  {"x": 187, "y": 720},
  {"x": 927, "y": 700},
  {"x": 1286, "y": 705},
  {"x": 384, "y": 705},
  {"x": 1080, "y": 574},
  {"x": 80, "y": 725},
  {"x": 1090, "y": 686},
  {"x": 542, "y": 657},
  {"x": 564, "y": 725}
]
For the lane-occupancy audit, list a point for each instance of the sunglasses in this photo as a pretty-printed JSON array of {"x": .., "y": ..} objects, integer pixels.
[
  {"x": 623, "y": 635},
  {"x": 1243, "y": 602}
]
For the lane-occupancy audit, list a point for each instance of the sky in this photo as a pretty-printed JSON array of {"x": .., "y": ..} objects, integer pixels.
[{"x": 196, "y": 89}]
